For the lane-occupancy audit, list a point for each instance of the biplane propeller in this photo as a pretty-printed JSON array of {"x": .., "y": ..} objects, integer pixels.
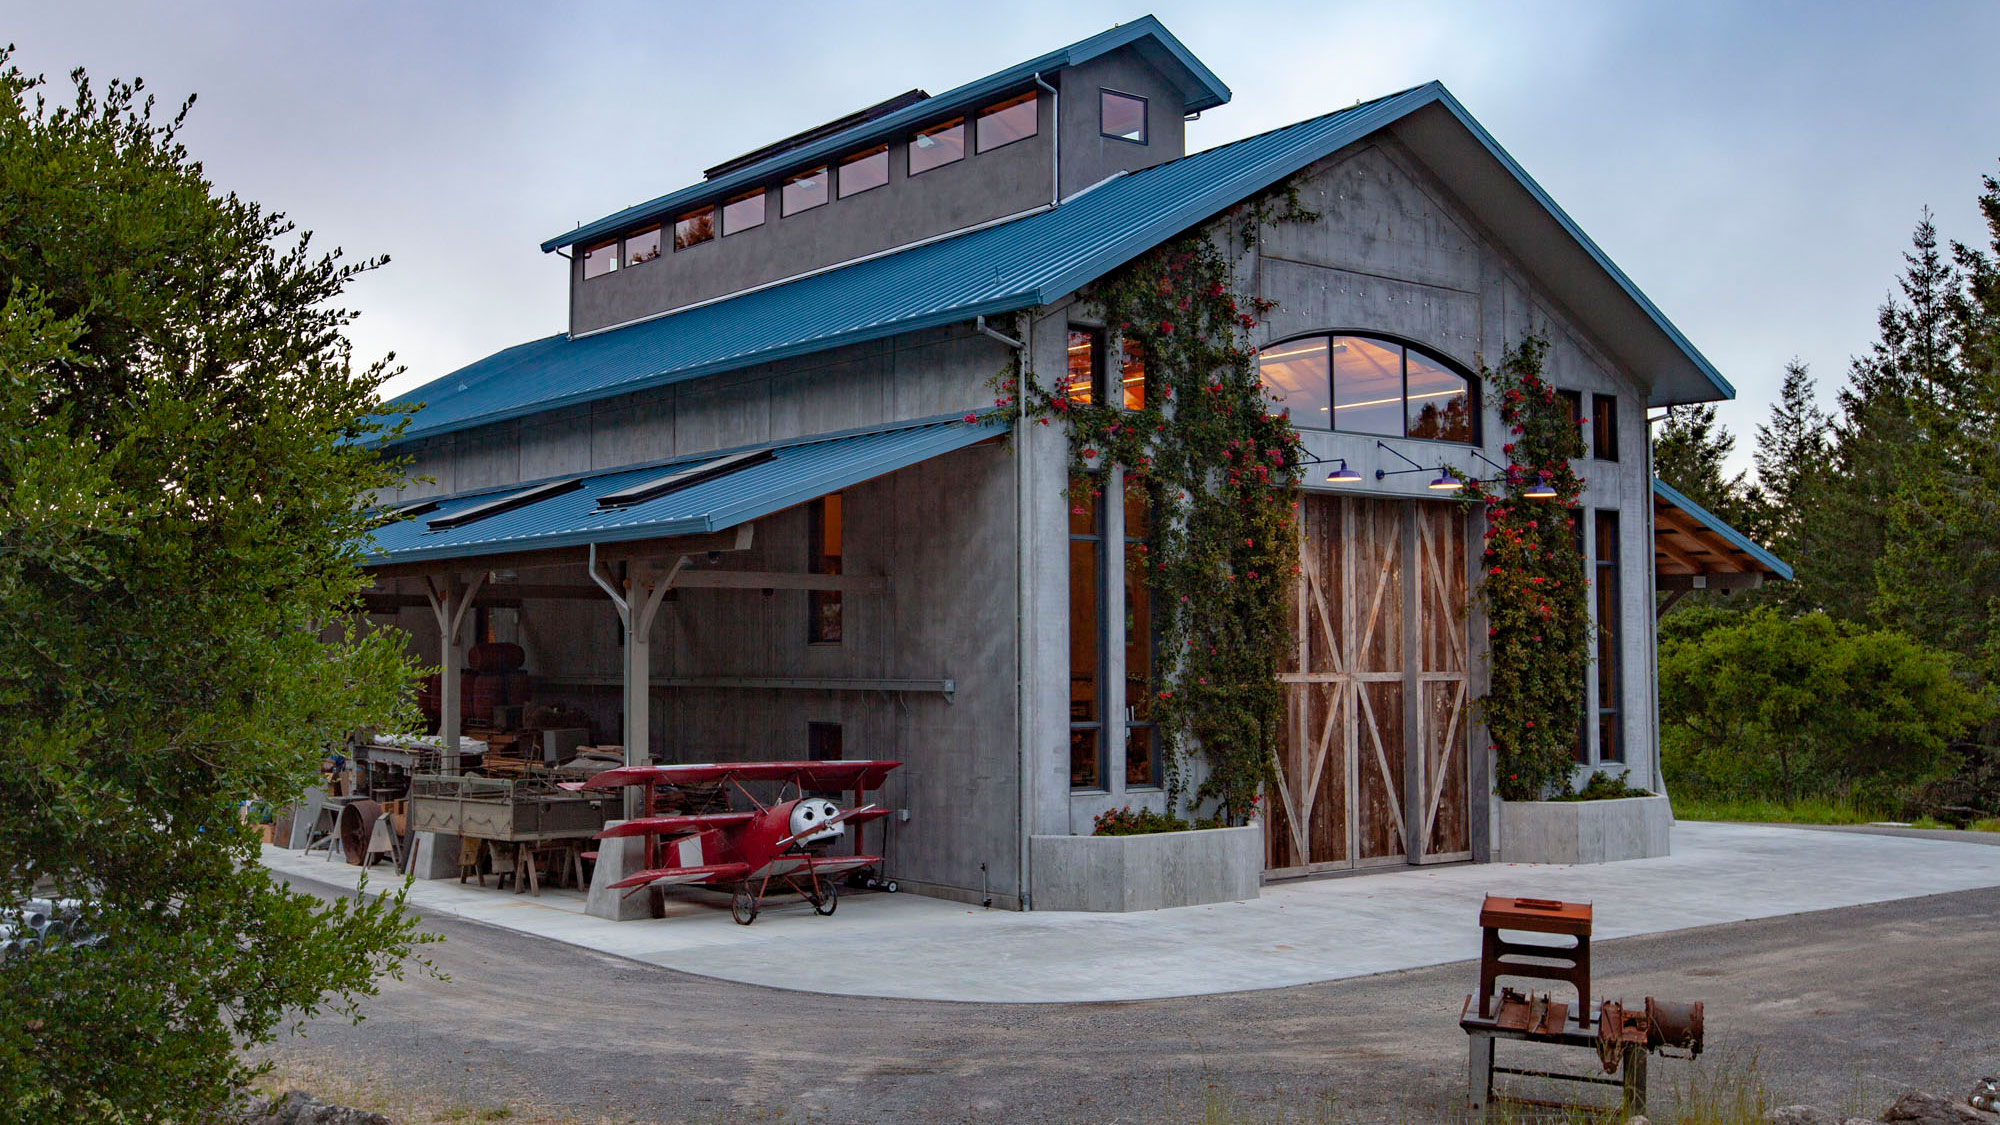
[{"x": 783, "y": 842}]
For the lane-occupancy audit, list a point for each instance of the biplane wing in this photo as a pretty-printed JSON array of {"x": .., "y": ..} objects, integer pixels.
[
  {"x": 678, "y": 876},
  {"x": 809, "y": 775},
  {"x": 676, "y": 825}
]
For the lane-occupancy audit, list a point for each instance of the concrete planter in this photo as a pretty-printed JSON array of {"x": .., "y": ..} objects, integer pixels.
[
  {"x": 1584, "y": 831},
  {"x": 1119, "y": 873}
]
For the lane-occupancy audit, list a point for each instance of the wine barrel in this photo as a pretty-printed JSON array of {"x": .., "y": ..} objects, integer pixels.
[
  {"x": 357, "y": 824},
  {"x": 482, "y": 692}
]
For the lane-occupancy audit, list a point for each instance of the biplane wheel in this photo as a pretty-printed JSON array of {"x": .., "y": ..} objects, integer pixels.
[
  {"x": 743, "y": 905},
  {"x": 827, "y": 900}
]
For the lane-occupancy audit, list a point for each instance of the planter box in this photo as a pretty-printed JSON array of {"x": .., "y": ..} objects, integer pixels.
[
  {"x": 1584, "y": 831},
  {"x": 1119, "y": 873}
]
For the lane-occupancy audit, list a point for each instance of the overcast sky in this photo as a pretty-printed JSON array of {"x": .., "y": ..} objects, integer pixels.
[{"x": 1756, "y": 168}]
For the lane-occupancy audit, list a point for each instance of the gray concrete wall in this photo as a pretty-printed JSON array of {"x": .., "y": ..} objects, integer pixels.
[
  {"x": 983, "y": 186},
  {"x": 1152, "y": 872},
  {"x": 1585, "y": 831},
  {"x": 1087, "y": 155}
]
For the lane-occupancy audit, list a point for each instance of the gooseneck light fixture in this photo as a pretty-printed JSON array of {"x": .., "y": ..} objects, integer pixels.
[
  {"x": 1540, "y": 490},
  {"x": 1339, "y": 474}
]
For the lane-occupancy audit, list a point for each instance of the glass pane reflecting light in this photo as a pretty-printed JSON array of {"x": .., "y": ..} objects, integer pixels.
[
  {"x": 692, "y": 230},
  {"x": 864, "y": 172},
  {"x": 1295, "y": 378},
  {"x": 1008, "y": 122},
  {"x": 1367, "y": 386},
  {"x": 804, "y": 191},
  {"x": 1122, "y": 116},
  {"x": 743, "y": 212},
  {"x": 1440, "y": 402},
  {"x": 642, "y": 247},
  {"x": 937, "y": 146}
]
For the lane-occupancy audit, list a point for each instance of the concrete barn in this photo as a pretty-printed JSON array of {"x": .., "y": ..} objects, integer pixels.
[{"x": 736, "y": 511}]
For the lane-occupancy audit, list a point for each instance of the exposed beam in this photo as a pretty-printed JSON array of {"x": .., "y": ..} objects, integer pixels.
[
  {"x": 1679, "y": 521},
  {"x": 1663, "y": 541}
]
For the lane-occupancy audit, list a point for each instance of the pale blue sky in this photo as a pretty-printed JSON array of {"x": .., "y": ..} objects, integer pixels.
[{"x": 1755, "y": 168}]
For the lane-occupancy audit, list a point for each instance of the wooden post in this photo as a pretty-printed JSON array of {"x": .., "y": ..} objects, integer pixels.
[
  {"x": 638, "y": 603},
  {"x": 449, "y": 601}
]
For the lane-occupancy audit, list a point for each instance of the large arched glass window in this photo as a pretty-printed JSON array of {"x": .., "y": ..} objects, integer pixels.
[{"x": 1368, "y": 385}]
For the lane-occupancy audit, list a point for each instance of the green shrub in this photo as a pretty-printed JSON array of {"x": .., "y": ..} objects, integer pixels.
[
  {"x": 1604, "y": 786},
  {"x": 1789, "y": 707},
  {"x": 1125, "y": 822}
]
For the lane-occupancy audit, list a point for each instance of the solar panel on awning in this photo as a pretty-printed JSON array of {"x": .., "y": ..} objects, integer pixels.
[{"x": 728, "y": 491}]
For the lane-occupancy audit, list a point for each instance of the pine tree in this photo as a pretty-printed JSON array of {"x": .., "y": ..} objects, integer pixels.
[
  {"x": 1690, "y": 452},
  {"x": 1791, "y": 457}
]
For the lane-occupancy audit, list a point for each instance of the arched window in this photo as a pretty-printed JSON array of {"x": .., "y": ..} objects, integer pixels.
[{"x": 1369, "y": 385}]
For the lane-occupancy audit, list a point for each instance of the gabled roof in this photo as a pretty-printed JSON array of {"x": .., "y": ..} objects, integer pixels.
[
  {"x": 1698, "y": 535},
  {"x": 1199, "y": 86},
  {"x": 570, "y": 511},
  {"x": 1037, "y": 259}
]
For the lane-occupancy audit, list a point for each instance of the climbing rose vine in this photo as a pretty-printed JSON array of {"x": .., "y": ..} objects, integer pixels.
[
  {"x": 1220, "y": 475},
  {"x": 1532, "y": 584}
]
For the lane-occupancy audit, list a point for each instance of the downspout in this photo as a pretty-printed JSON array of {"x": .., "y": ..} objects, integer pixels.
[
  {"x": 1024, "y": 740},
  {"x": 1055, "y": 113},
  {"x": 1653, "y": 599}
]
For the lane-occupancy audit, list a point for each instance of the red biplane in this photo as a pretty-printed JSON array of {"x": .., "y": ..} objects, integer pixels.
[{"x": 785, "y": 841}]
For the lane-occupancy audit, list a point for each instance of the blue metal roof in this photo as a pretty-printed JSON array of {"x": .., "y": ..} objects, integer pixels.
[
  {"x": 1017, "y": 265},
  {"x": 796, "y": 471},
  {"x": 1202, "y": 88},
  {"x": 1730, "y": 535}
]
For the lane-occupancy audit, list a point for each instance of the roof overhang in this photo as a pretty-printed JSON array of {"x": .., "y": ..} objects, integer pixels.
[
  {"x": 522, "y": 520},
  {"x": 1695, "y": 550}
]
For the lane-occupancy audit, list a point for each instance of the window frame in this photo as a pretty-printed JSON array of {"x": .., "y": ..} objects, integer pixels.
[
  {"x": 763, "y": 213},
  {"x": 844, "y": 163},
  {"x": 1604, "y": 427},
  {"x": 1474, "y": 390},
  {"x": 1099, "y": 727},
  {"x": 785, "y": 209},
  {"x": 1142, "y": 576},
  {"x": 714, "y": 213},
  {"x": 1145, "y": 116},
  {"x": 910, "y": 144},
  {"x": 1607, "y": 584},
  {"x": 617, "y": 248},
  {"x": 979, "y": 147},
  {"x": 1097, "y": 337},
  {"x": 625, "y": 246}
]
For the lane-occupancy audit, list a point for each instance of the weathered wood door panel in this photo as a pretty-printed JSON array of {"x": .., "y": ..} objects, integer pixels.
[{"x": 1373, "y": 761}]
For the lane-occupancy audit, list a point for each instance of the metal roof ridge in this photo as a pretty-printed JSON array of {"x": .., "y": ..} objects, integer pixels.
[{"x": 958, "y": 97}]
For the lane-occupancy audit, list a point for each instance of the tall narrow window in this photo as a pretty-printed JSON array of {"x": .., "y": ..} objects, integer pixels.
[
  {"x": 825, "y": 531},
  {"x": 937, "y": 146},
  {"x": 1085, "y": 359},
  {"x": 1142, "y": 749},
  {"x": 864, "y": 171},
  {"x": 1132, "y": 374},
  {"x": 1583, "y": 699},
  {"x": 601, "y": 259},
  {"x": 1604, "y": 427},
  {"x": 1086, "y": 579},
  {"x": 1610, "y": 696},
  {"x": 743, "y": 212},
  {"x": 1013, "y": 120},
  {"x": 694, "y": 228},
  {"x": 1121, "y": 117}
]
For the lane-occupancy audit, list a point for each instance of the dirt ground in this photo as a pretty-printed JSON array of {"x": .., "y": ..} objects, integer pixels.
[{"x": 1842, "y": 1008}]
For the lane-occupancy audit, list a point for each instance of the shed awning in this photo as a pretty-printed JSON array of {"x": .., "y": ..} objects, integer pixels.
[
  {"x": 690, "y": 496},
  {"x": 1694, "y": 550}
]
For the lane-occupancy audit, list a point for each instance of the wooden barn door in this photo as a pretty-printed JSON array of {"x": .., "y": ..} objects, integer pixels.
[{"x": 1372, "y": 765}]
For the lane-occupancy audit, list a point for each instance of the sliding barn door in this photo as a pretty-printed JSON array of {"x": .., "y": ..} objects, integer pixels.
[{"x": 1372, "y": 764}]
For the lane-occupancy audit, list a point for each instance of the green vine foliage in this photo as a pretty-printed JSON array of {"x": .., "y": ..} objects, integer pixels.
[
  {"x": 1221, "y": 477},
  {"x": 1533, "y": 586}
]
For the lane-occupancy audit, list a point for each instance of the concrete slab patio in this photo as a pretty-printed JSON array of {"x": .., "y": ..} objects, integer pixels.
[{"x": 919, "y": 948}]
